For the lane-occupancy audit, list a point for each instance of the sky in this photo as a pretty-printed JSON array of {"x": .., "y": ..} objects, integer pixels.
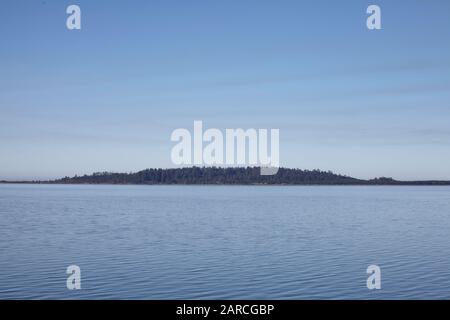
[{"x": 364, "y": 103}]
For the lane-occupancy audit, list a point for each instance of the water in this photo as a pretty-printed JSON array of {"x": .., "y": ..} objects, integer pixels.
[{"x": 224, "y": 242}]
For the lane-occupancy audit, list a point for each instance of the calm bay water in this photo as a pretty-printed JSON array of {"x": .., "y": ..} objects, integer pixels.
[{"x": 224, "y": 242}]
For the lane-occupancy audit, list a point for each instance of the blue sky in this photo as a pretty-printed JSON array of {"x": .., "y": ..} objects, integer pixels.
[{"x": 107, "y": 97}]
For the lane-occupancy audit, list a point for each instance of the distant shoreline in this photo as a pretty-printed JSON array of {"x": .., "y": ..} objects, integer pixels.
[
  {"x": 403, "y": 184},
  {"x": 212, "y": 176}
]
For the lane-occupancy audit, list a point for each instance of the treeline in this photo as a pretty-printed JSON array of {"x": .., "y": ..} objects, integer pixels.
[
  {"x": 213, "y": 175},
  {"x": 226, "y": 176},
  {"x": 222, "y": 176}
]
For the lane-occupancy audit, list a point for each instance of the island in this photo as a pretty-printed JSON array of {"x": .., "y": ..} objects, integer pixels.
[{"x": 227, "y": 176}]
